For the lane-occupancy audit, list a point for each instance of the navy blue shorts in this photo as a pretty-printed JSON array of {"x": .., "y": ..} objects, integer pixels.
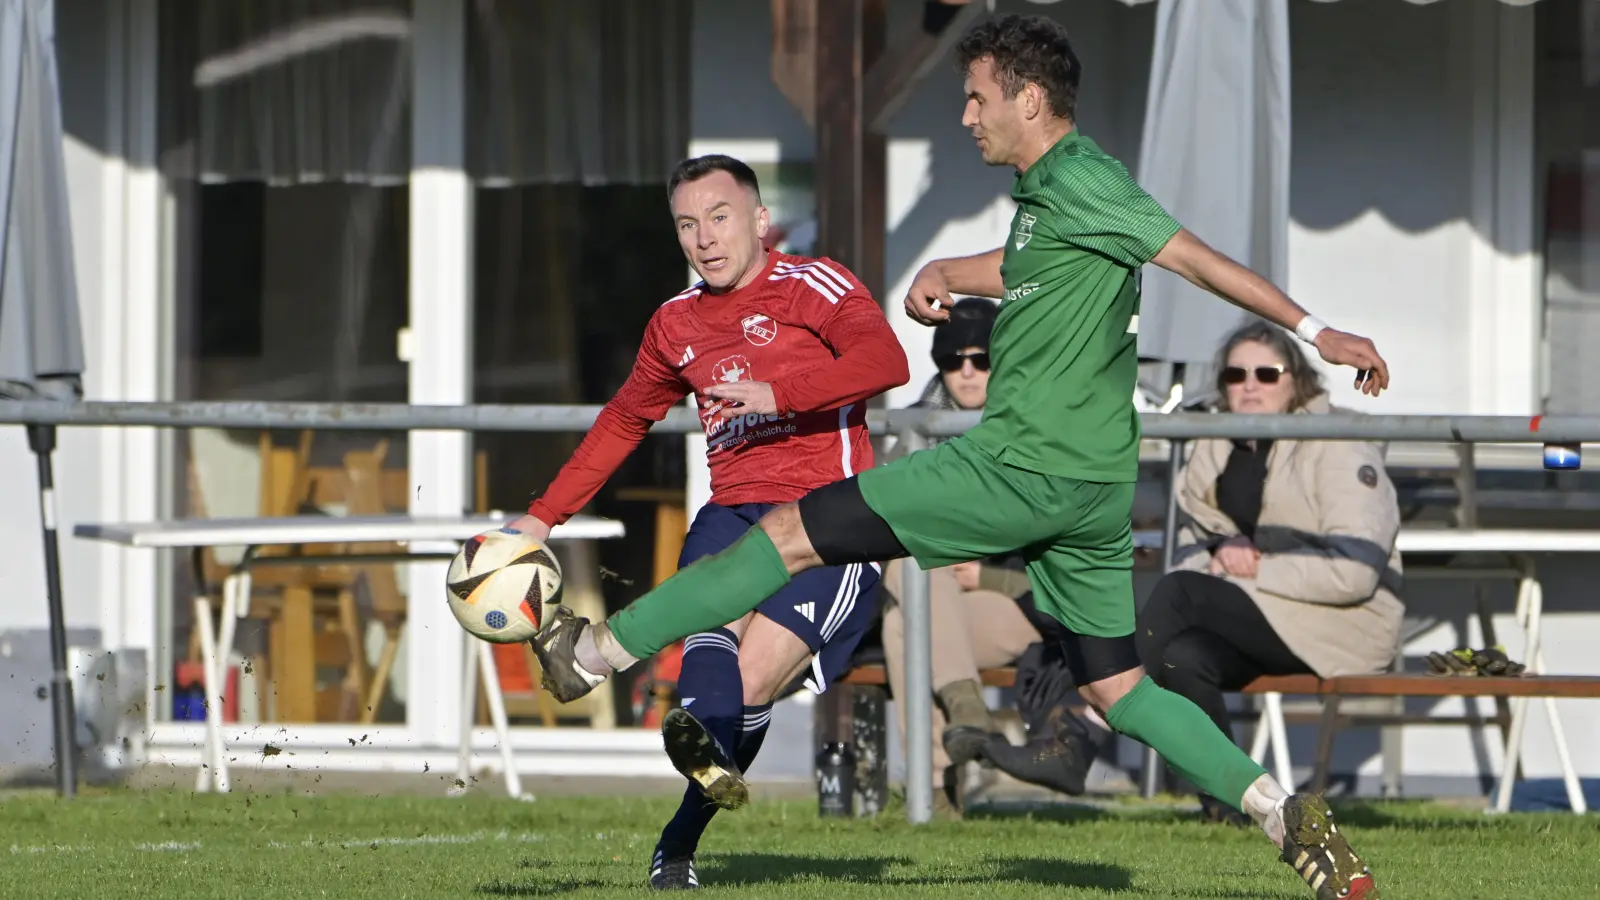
[{"x": 829, "y": 607}]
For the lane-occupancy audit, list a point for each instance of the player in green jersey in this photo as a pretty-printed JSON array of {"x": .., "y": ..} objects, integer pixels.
[{"x": 1049, "y": 470}]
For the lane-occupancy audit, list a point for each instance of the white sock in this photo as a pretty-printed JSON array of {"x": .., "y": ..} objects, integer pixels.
[
  {"x": 1093, "y": 718},
  {"x": 608, "y": 653},
  {"x": 590, "y": 664},
  {"x": 1263, "y": 802}
]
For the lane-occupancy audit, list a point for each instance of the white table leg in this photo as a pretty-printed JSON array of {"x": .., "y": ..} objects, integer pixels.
[
  {"x": 1535, "y": 657},
  {"x": 1280, "y": 741},
  {"x": 1530, "y": 599},
  {"x": 1263, "y": 734},
  {"x": 212, "y": 773},
  {"x": 497, "y": 715},
  {"x": 469, "y": 703}
]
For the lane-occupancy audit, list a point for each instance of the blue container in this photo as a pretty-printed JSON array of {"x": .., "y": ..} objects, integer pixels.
[{"x": 1563, "y": 456}]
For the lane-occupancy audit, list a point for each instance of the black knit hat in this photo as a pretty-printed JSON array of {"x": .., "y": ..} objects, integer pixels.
[{"x": 971, "y": 320}]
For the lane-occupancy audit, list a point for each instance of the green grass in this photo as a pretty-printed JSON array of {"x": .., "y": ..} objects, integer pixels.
[{"x": 258, "y": 846}]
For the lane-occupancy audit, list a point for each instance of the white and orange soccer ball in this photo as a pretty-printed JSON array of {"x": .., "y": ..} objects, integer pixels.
[{"x": 499, "y": 584}]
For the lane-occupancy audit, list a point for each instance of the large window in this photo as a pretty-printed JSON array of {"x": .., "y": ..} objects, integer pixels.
[
  {"x": 287, "y": 149},
  {"x": 285, "y": 144},
  {"x": 578, "y": 112}
]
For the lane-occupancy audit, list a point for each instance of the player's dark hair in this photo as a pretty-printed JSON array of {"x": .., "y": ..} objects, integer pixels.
[
  {"x": 1024, "y": 49},
  {"x": 701, "y": 166},
  {"x": 1307, "y": 380}
]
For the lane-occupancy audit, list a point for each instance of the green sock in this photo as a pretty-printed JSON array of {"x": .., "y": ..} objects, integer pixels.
[
  {"x": 712, "y": 592},
  {"x": 1187, "y": 739}
]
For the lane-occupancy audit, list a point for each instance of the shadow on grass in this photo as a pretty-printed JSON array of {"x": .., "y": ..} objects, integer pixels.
[
  {"x": 755, "y": 869},
  {"x": 772, "y": 868},
  {"x": 542, "y": 889},
  {"x": 1068, "y": 814}
]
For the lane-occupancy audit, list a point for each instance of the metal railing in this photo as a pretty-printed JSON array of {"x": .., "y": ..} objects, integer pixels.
[{"x": 913, "y": 426}]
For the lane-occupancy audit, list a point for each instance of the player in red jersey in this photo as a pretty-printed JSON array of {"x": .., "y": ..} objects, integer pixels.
[{"x": 782, "y": 352}]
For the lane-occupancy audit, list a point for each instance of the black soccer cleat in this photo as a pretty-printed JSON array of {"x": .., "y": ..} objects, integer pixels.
[
  {"x": 672, "y": 870},
  {"x": 555, "y": 646},
  {"x": 697, "y": 755},
  {"x": 1317, "y": 851},
  {"x": 1058, "y": 761}
]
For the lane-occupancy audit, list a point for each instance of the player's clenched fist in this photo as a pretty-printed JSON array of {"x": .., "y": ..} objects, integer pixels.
[
  {"x": 928, "y": 301},
  {"x": 1343, "y": 349}
]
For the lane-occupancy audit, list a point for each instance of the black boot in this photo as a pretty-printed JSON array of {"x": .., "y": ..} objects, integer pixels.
[{"x": 1059, "y": 761}]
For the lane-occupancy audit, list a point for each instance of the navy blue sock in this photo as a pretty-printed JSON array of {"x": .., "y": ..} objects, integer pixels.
[
  {"x": 752, "y": 731},
  {"x": 712, "y": 689}
]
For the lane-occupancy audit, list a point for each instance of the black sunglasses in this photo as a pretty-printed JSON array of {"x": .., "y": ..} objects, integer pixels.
[
  {"x": 1264, "y": 374},
  {"x": 951, "y": 362}
]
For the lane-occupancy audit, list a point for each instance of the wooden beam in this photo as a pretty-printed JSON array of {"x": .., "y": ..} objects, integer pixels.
[
  {"x": 850, "y": 159},
  {"x": 794, "y": 45},
  {"x": 915, "y": 53}
]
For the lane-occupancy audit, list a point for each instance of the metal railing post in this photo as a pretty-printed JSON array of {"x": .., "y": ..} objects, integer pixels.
[
  {"x": 919, "y": 677},
  {"x": 1150, "y": 779}
]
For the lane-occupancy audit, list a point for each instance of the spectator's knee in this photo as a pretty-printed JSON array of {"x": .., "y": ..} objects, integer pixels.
[{"x": 1185, "y": 660}]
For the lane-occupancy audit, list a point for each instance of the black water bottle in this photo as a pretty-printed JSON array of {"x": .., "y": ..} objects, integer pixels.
[{"x": 836, "y": 779}]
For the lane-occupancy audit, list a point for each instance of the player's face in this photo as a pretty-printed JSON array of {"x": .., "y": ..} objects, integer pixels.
[
  {"x": 969, "y": 385},
  {"x": 995, "y": 121},
  {"x": 1252, "y": 393},
  {"x": 720, "y": 227}
]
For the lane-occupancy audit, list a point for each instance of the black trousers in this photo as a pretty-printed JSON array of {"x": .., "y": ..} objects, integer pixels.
[{"x": 1202, "y": 636}]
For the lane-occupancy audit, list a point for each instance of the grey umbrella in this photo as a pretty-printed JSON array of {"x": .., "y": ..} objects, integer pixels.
[{"x": 41, "y": 343}]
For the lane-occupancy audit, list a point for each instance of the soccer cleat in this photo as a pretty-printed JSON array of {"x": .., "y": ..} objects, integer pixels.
[
  {"x": 671, "y": 870},
  {"x": 555, "y": 646},
  {"x": 697, "y": 755},
  {"x": 1317, "y": 851}
]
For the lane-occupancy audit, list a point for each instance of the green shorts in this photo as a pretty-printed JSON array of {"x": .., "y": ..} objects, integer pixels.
[{"x": 954, "y": 503}]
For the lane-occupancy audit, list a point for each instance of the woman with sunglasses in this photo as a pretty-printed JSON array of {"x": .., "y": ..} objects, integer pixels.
[{"x": 1286, "y": 561}]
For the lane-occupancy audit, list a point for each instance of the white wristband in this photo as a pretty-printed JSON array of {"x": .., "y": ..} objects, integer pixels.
[{"x": 1309, "y": 328}]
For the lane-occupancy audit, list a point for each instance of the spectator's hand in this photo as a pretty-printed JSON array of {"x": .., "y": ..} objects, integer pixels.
[
  {"x": 741, "y": 398},
  {"x": 536, "y": 528},
  {"x": 1342, "y": 349},
  {"x": 928, "y": 287},
  {"x": 966, "y": 575},
  {"x": 1237, "y": 557}
]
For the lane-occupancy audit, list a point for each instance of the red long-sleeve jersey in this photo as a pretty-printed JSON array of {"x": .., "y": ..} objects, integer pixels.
[{"x": 807, "y": 327}]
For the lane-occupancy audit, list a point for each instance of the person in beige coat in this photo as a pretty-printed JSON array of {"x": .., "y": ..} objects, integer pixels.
[{"x": 1285, "y": 560}]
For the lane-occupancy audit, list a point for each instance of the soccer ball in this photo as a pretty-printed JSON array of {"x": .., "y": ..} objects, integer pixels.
[{"x": 499, "y": 583}]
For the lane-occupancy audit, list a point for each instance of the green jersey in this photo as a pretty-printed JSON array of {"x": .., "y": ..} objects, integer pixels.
[{"x": 1065, "y": 342}]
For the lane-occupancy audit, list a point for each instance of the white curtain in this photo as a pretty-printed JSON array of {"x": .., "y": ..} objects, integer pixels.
[
  {"x": 306, "y": 91},
  {"x": 1216, "y": 153},
  {"x": 594, "y": 92},
  {"x": 303, "y": 91}
]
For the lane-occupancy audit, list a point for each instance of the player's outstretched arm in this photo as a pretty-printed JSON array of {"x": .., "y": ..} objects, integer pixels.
[
  {"x": 651, "y": 390},
  {"x": 1190, "y": 257},
  {"x": 929, "y": 299}
]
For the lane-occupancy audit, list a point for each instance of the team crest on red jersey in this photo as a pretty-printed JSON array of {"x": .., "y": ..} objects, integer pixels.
[
  {"x": 759, "y": 329},
  {"x": 731, "y": 369}
]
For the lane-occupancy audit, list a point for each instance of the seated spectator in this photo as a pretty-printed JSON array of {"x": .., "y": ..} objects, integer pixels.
[
  {"x": 1285, "y": 562},
  {"x": 977, "y": 622}
]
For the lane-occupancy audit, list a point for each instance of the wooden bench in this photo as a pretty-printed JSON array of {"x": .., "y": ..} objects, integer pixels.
[
  {"x": 878, "y": 676},
  {"x": 1332, "y": 691}
]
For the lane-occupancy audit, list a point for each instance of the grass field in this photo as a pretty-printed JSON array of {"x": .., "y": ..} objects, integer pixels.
[{"x": 180, "y": 845}]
